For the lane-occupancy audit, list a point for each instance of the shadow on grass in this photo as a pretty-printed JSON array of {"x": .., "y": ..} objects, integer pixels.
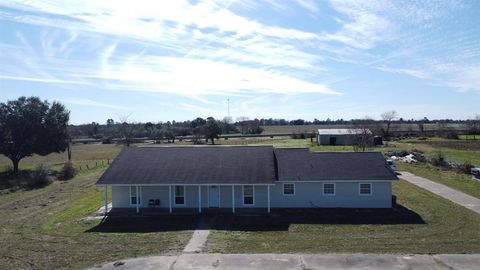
[{"x": 278, "y": 220}]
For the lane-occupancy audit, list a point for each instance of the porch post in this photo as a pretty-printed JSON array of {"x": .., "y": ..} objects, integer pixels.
[
  {"x": 170, "y": 198},
  {"x": 105, "y": 199},
  {"x": 138, "y": 199},
  {"x": 233, "y": 199},
  {"x": 268, "y": 198},
  {"x": 199, "y": 199}
]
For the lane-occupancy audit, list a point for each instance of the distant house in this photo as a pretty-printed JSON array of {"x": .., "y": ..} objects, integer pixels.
[
  {"x": 244, "y": 177},
  {"x": 339, "y": 136}
]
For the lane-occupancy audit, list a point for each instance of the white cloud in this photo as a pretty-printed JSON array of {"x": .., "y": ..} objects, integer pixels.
[
  {"x": 215, "y": 50},
  {"x": 41, "y": 80},
  {"x": 310, "y": 5},
  {"x": 411, "y": 72},
  {"x": 92, "y": 103},
  {"x": 197, "y": 77}
]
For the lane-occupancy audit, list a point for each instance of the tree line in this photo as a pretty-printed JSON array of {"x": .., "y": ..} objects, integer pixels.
[
  {"x": 31, "y": 126},
  {"x": 208, "y": 128}
]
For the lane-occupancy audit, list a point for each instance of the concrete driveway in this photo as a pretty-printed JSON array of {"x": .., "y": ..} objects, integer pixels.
[
  {"x": 455, "y": 196},
  {"x": 299, "y": 261}
]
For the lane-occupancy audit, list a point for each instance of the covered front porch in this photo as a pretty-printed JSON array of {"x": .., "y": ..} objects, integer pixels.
[{"x": 187, "y": 198}]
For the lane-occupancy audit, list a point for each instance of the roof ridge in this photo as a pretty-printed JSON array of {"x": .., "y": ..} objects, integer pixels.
[{"x": 202, "y": 146}]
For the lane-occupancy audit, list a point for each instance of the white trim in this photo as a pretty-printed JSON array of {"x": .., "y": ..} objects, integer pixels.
[
  {"x": 130, "y": 196},
  {"x": 294, "y": 189},
  {"x": 139, "y": 200},
  {"x": 199, "y": 199},
  {"x": 233, "y": 198},
  {"x": 175, "y": 195},
  {"x": 209, "y": 184},
  {"x": 365, "y": 194},
  {"x": 253, "y": 195},
  {"x": 332, "y": 181},
  {"x": 170, "y": 199},
  {"x": 268, "y": 199},
  {"x": 105, "y": 199},
  {"x": 334, "y": 189}
]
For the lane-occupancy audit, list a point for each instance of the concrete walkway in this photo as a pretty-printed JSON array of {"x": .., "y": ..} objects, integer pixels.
[
  {"x": 455, "y": 196},
  {"x": 199, "y": 237},
  {"x": 300, "y": 262}
]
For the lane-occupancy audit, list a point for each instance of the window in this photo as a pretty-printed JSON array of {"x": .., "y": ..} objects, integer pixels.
[
  {"x": 248, "y": 195},
  {"x": 179, "y": 195},
  {"x": 328, "y": 189},
  {"x": 133, "y": 196},
  {"x": 365, "y": 189},
  {"x": 288, "y": 189}
]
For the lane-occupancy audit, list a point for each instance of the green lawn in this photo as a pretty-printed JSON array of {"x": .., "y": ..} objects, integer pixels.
[
  {"x": 45, "y": 229},
  {"x": 447, "y": 228},
  {"x": 458, "y": 181}
]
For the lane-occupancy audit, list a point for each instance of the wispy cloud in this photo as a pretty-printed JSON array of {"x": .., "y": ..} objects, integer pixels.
[
  {"x": 205, "y": 50},
  {"x": 93, "y": 103}
]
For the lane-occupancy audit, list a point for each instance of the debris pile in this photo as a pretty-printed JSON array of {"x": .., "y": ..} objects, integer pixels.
[{"x": 406, "y": 156}]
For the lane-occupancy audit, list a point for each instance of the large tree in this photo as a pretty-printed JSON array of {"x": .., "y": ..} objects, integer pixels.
[
  {"x": 388, "y": 117},
  {"x": 30, "y": 126},
  {"x": 212, "y": 129},
  {"x": 363, "y": 136}
]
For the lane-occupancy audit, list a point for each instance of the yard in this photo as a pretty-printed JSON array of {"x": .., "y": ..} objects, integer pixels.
[
  {"x": 46, "y": 229},
  {"x": 434, "y": 225}
]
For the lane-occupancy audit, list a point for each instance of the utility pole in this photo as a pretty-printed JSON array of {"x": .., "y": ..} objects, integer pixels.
[{"x": 228, "y": 107}]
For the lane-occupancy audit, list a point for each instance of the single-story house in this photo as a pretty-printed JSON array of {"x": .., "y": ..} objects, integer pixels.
[
  {"x": 342, "y": 136},
  {"x": 240, "y": 177}
]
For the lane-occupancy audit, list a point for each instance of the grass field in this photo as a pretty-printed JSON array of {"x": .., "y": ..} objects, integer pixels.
[
  {"x": 461, "y": 182},
  {"x": 444, "y": 228},
  {"x": 82, "y": 154},
  {"x": 45, "y": 229}
]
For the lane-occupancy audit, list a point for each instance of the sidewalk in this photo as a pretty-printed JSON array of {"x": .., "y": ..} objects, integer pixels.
[
  {"x": 300, "y": 262},
  {"x": 455, "y": 196}
]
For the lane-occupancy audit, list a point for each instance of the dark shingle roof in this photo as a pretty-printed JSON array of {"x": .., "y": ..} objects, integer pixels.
[
  {"x": 192, "y": 165},
  {"x": 301, "y": 164},
  {"x": 240, "y": 165}
]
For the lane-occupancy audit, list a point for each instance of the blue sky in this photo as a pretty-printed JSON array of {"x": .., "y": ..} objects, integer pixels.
[{"x": 164, "y": 60}]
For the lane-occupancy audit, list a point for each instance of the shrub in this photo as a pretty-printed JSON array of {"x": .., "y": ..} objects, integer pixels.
[
  {"x": 67, "y": 172},
  {"x": 439, "y": 161},
  {"x": 40, "y": 176},
  {"x": 451, "y": 135},
  {"x": 107, "y": 140},
  {"x": 465, "y": 168}
]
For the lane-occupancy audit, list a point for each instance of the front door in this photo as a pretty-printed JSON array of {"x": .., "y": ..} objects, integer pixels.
[{"x": 213, "y": 196}]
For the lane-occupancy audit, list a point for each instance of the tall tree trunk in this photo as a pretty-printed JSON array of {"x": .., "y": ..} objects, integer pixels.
[
  {"x": 15, "y": 165},
  {"x": 69, "y": 152},
  {"x": 388, "y": 130}
]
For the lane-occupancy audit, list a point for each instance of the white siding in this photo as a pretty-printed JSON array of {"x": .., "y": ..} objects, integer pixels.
[
  {"x": 307, "y": 194},
  {"x": 346, "y": 195}
]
